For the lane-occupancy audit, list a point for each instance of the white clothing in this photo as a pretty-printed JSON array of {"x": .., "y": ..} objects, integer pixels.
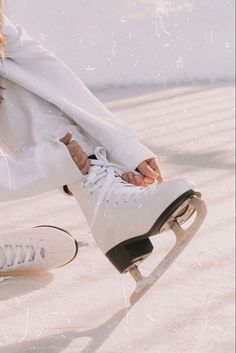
[
  {"x": 35, "y": 162},
  {"x": 43, "y": 100}
]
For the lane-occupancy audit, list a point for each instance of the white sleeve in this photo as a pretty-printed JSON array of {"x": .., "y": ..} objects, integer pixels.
[
  {"x": 39, "y": 169},
  {"x": 37, "y": 69}
]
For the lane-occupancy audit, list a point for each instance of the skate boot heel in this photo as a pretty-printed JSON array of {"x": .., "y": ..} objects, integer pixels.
[
  {"x": 180, "y": 210},
  {"x": 125, "y": 255}
]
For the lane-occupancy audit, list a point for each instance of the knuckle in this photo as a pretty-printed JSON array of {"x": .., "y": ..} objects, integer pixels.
[
  {"x": 82, "y": 161},
  {"x": 87, "y": 165},
  {"x": 85, "y": 168},
  {"x": 80, "y": 151},
  {"x": 72, "y": 147},
  {"x": 84, "y": 155}
]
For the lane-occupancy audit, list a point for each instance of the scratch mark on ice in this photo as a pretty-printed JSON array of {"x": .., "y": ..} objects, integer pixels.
[
  {"x": 162, "y": 26},
  {"x": 26, "y": 327},
  {"x": 2, "y": 279},
  {"x": 126, "y": 304},
  {"x": 8, "y": 169},
  {"x": 150, "y": 317}
]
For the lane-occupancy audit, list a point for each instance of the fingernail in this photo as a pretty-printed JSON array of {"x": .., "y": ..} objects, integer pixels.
[{"x": 149, "y": 180}]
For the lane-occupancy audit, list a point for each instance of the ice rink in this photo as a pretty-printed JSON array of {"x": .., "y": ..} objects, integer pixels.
[{"x": 83, "y": 308}]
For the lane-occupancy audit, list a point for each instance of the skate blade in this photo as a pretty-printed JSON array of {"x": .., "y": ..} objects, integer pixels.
[{"x": 183, "y": 237}]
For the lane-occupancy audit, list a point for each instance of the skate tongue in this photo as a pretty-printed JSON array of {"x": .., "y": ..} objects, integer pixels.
[
  {"x": 100, "y": 153},
  {"x": 102, "y": 161},
  {"x": 104, "y": 175}
]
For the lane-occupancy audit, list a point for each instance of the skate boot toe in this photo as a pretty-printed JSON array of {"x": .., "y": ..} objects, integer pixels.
[{"x": 39, "y": 249}]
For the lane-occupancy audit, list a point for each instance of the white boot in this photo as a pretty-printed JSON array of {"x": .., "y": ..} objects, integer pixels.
[
  {"x": 123, "y": 216},
  {"x": 35, "y": 250}
]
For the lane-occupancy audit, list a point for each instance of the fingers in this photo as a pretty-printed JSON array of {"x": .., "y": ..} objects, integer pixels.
[
  {"x": 134, "y": 179},
  {"x": 1, "y": 97},
  {"x": 153, "y": 164},
  {"x": 149, "y": 180},
  {"x": 151, "y": 170},
  {"x": 79, "y": 157},
  {"x": 86, "y": 167},
  {"x": 147, "y": 171},
  {"x": 67, "y": 138}
]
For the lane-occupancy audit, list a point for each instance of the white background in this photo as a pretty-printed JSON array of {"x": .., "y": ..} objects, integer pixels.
[{"x": 122, "y": 42}]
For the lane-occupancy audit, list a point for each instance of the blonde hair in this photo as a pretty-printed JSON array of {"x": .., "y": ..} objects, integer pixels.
[{"x": 2, "y": 39}]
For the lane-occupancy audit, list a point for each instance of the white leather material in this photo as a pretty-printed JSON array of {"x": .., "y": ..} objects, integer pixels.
[
  {"x": 35, "y": 250},
  {"x": 127, "y": 211}
]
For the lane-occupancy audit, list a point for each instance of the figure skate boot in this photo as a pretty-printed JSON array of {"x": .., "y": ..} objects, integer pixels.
[
  {"x": 35, "y": 250},
  {"x": 123, "y": 217}
]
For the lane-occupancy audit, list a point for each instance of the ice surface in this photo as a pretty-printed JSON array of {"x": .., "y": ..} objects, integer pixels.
[
  {"x": 83, "y": 308},
  {"x": 2, "y": 279}
]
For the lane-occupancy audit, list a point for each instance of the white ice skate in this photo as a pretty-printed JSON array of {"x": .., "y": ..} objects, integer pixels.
[
  {"x": 123, "y": 216},
  {"x": 38, "y": 249}
]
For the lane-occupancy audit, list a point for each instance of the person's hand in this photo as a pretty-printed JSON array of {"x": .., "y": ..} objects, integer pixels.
[
  {"x": 134, "y": 178},
  {"x": 150, "y": 172},
  {"x": 1, "y": 97},
  {"x": 78, "y": 155}
]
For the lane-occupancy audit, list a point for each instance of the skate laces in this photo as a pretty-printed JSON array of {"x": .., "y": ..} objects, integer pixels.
[
  {"x": 13, "y": 255},
  {"x": 106, "y": 176}
]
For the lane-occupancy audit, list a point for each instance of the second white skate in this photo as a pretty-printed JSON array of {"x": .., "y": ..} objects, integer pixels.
[{"x": 36, "y": 250}]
